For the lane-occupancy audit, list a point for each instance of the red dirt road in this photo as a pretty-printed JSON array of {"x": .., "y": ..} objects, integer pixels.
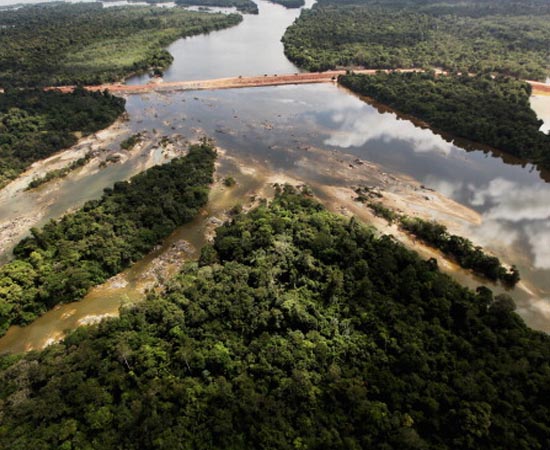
[
  {"x": 540, "y": 88},
  {"x": 219, "y": 83},
  {"x": 242, "y": 82}
]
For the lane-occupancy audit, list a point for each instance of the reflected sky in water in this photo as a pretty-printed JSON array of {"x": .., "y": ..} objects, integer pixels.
[
  {"x": 271, "y": 125},
  {"x": 252, "y": 48}
]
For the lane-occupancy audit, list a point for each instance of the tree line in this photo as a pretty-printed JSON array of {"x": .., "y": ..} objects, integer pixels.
[
  {"x": 458, "y": 248},
  {"x": 490, "y": 111}
]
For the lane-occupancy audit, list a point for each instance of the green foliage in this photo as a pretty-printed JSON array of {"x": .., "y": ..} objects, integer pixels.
[
  {"x": 57, "y": 44},
  {"x": 244, "y": 6},
  {"x": 381, "y": 211},
  {"x": 59, "y": 173},
  {"x": 35, "y": 124},
  {"x": 63, "y": 260},
  {"x": 130, "y": 142},
  {"x": 494, "y": 112},
  {"x": 508, "y": 37},
  {"x": 305, "y": 331},
  {"x": 460, "y": 249},
  {"x": 229, "y": 181}
]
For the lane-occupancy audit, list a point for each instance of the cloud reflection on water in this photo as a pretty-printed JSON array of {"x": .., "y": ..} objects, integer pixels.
[
  {"x": 538, "y": 235},
  {"x": 359, "y": 123},
  {"x": 510, "y": 210},
  {"x": 512, "y": 201}
]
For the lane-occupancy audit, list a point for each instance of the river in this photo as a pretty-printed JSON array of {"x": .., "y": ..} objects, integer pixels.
[{"x": 310, "y": 133}]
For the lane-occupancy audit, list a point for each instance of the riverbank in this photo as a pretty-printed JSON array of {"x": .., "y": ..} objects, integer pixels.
[
  {"x": 254, "y": 182},
  {"x": 17, "y": 217}
]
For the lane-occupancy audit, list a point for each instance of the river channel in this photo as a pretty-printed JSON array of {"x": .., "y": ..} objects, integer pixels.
[{"x": 321, "y": 135}]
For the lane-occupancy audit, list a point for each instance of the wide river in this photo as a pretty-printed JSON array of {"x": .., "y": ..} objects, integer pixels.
[{"x": 295, "y": 131}]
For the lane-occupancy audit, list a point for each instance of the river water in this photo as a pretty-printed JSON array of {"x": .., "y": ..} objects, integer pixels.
[{"x": 302, "y": 132}]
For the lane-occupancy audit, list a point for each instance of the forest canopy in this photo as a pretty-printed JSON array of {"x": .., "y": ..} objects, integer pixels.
[
  {"x": 296, "y": 329},
  {"x": 60, "y": 262},
  {"x": 491, "y": 111},
  {"x": 34, "y": 124},
  {"x": 59, "y": 44},
  {"x": 507, "y": 37}
]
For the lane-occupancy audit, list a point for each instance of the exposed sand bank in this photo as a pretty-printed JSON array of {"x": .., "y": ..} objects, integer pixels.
[{"x": 331, "y": 175}]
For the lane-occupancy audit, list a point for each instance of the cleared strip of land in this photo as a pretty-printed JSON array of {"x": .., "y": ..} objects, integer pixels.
[
  {"x": 222, "y": 83},
  {"x": 242, "y": 82},
  {"x": 540, "y": 88}
]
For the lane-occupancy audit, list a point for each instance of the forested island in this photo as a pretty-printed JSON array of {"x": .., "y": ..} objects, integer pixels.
[
  {"x": 490, "y": 111},
  {"x": 63, "y": 44},
  {"x": 499, "y": 36},
  {"x": 244, "y": 6},
  {"x": 34, "y": 124},
  {"x": 296, "y": 329},
  {"x": 59, "y": 173},
  {"x": 60, "y": 262},
  {"x": 459, "y": 249},
  {"x": 290, "y": 3}
]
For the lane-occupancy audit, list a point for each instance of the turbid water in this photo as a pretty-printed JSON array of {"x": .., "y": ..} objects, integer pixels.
[{"x": 303, "y": 132}]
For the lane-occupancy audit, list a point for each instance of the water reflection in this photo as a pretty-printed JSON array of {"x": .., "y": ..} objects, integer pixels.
[
  {"x": 357, "y": 124},
  {"x": 539, "y": 237},
  {"x": 506, "y": 199},
  {"x": 252, "y": 48},
  {"x": 274, "y": 125}
]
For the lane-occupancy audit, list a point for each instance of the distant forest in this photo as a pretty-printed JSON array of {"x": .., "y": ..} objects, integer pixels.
[
  {"x": 35, "y": 124},
  {"x": 503, "y": 36},
  {"x": 297, "y": 329},
  {"x": 57, "y": 44},
  {"x": 490, "y": 111}
]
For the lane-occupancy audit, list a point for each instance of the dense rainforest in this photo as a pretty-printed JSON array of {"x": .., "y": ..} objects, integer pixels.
[
  {"x": 60, "y": 262},
  {"x": 503, "y": 36},
  {"x": 57, "y": 44},
  {"x": 244, "y": 6},
  {"x": 296, "y": 329},
  {"x": 490, "y": 111},
  {"x": 35, "y": 124}
]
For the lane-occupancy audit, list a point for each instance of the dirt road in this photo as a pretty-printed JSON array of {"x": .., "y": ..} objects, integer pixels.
[{"x": 221, "y": 83}]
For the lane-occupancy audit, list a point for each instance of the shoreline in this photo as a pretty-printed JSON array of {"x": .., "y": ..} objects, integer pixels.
[{"x": 15, "y": 226}]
